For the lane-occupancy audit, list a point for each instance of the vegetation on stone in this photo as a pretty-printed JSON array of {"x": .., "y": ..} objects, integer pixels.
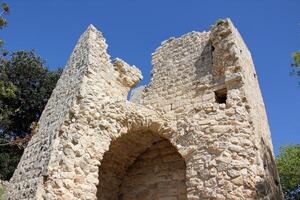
[
  {"x": 288, "y": 165},
  {"x": 219, "y": 22}
]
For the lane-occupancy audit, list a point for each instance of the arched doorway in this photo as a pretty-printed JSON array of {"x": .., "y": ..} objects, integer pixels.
[{"x": 141, "y": 166}]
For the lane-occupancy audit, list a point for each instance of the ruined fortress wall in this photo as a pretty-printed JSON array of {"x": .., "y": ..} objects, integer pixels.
[
  {"x": 203, "y": 100},
  {"x": 89, "y": 74},
  {"x": 233, "y": 137}
]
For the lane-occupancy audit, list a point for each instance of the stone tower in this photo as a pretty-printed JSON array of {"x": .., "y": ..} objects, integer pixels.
[{"x": 198, "y": 131}]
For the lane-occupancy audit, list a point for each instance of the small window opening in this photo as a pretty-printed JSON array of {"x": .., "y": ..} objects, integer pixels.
[
  {"x": 221, "y": 95},
  {"x": 45, "y": 178},
  {"x": 212, "y": 48}
]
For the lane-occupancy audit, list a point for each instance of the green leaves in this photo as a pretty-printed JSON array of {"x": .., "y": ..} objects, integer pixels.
[
  {"x": 9, "y": 158},
  {"x": 25, "y": 86},
  {"x": 220, "y": 22},
  {"x": 296, "y": 59},
  {"x": 3, "y": 22},
  {"x": 5, "y": 7},
  {"x": 7, "y": 90},
  {"x": 296, "y": 64},
  {"x": 5, "y": 52},
  {"x": 5, "y": 10},
  {"x": 288, "y": 165}
]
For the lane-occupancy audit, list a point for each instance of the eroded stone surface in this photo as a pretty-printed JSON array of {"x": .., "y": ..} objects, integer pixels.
[{"x": 203, "y": 103}]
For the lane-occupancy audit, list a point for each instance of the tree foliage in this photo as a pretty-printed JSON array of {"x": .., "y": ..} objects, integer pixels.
[
  {"x": 288, "y": 165},
  {"x": 296, "y": 59},
  {"x": 3, "y": 22},
  {"x": 296, "y": 64},
  {"x": 5, "y": 10},
  {"x": 25, "y": 86},
  {"x": 9, "y": 159}
]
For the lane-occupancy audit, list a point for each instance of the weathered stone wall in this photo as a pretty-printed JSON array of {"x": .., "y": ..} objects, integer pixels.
[
  {"x": 88, "y": 74},
  {"x": 180, "y": 65},
  {"x": 226, "y": 36},
  {"x": 203, "y": 99},
  {"x": 233, "y": 136}
]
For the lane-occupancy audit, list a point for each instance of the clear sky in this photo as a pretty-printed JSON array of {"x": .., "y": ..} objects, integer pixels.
[{"x": 135, "y": 28}]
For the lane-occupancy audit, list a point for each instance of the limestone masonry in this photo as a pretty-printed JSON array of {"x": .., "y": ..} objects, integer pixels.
[{"x": 198, "y": 131}]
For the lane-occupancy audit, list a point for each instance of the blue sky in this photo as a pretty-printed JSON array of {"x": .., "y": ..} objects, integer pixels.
[{"x": 134, "y": 28}]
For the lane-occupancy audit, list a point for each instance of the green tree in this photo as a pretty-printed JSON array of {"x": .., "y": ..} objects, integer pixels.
[
  {"x": 9, "y": 159},
  {"x": 25, "y": 86},
  {"x": 288, "y": 165}
]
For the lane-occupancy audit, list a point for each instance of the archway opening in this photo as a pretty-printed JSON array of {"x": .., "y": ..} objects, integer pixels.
[{"x": 142, "y": 166}]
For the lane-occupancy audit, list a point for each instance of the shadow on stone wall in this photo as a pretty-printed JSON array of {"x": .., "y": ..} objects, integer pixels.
[
  {"x": 204, "y": 64},
  {"x": 270, "y": 185}
]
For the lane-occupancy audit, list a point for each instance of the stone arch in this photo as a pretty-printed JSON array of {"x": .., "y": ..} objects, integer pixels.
[{"x": 142, "y": 164}]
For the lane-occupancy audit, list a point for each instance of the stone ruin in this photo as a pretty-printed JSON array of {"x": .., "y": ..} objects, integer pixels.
[{"x": 198, "y": 131}]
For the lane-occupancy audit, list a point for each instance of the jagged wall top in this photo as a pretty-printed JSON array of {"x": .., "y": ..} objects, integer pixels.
[
  {"x": 88, "y": 74},
  {"x": 116, "y": 75}
]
